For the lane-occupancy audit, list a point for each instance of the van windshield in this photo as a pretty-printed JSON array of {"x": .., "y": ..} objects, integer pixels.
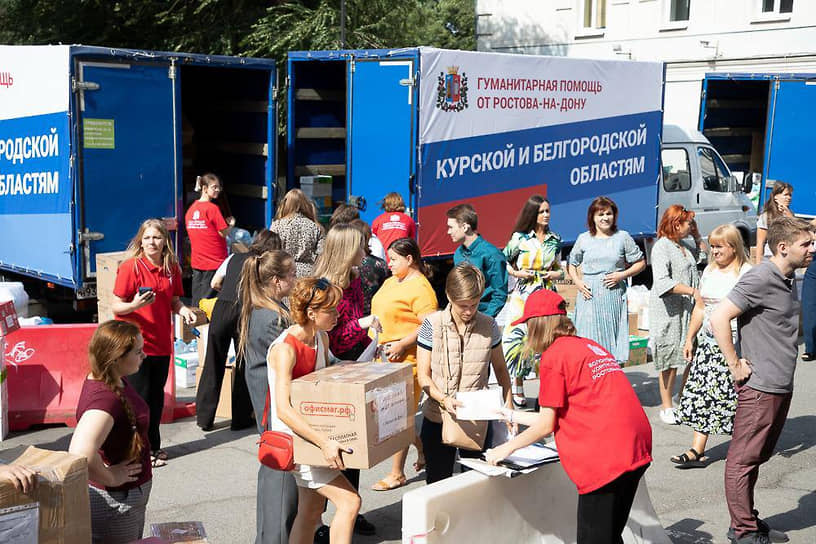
[{"x": 716, "y": 176}]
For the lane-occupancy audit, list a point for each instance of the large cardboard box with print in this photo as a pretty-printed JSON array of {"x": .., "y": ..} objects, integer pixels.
[
  {"x": 57, "y": 510},
  {"x": 367, "y": 407}
]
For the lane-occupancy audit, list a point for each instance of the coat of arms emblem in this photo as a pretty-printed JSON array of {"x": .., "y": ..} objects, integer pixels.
[{"x": 451, "y": 90}]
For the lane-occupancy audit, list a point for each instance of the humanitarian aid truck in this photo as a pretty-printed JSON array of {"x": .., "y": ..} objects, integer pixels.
[
  {"x": 93, "y": 140},
  {"x": 447, "y": 127}
]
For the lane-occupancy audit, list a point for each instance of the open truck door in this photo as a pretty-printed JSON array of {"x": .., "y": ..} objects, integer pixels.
[
  {"x": 127, "y": 146},
  {"x": 381, "y": 124},
  {"x": 789, "y": 140}
]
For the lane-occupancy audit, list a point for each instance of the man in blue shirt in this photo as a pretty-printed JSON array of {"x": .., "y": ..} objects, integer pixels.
[{"x": 462, "y": 224}]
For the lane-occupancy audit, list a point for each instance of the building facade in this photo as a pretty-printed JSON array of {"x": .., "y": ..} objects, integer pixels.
[{"x": 693, "y": 37}]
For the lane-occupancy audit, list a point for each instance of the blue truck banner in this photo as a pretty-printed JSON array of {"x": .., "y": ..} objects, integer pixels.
[
  {"x": 35, "y": 177},
  {"x": 495, "y": 129}
]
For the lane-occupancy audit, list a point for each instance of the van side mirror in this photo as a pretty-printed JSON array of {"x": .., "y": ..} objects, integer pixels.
[{"x": 747, "y": 182}]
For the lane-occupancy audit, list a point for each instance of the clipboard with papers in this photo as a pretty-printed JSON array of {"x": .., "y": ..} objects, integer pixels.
[{"x": 523, "y": 461}]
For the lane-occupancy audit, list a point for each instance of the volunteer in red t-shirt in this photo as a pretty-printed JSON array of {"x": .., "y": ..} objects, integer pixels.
[
  {"x": 146, "y": 292},
  {"x": 111, "y": 432},
  {"x": 393, "y": 224},
  {"x": 207, "y": 230},
  {"x": 603, "y": 436}
]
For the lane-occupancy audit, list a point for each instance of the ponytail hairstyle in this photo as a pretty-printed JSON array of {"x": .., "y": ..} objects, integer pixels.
[
  {"x": 265, "y": 240},
  {"x": 205, "y": 180},
  {"x": 256, "y": 288},
  {"x": 111, "y": 341},
  {"x": 408, "y": 247}
]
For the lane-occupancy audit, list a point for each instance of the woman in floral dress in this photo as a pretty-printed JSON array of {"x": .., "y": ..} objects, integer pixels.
[
  {"x": 671, "y": 300},
  {"x": 534, "y": 260},
  {"x": 709, "y": 399}
]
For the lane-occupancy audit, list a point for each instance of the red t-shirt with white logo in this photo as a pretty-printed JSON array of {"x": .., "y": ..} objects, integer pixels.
[
  {"x": 601, "y": 430},
  {"x": 154, "y": 319},
  {"x": 204, "y": 223},
  {"x": 390, "y": 226}
]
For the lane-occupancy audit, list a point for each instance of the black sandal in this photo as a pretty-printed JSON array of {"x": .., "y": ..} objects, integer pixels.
[
  {"x": 683, "y": 461},
  {"x": 808, "y": 356}
]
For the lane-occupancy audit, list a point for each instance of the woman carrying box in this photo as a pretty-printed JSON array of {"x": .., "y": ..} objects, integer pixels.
[{"x": 300, "y": 350}]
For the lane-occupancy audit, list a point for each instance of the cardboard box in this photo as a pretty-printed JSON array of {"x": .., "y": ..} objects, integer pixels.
[
  {"x": 638, "y": 350},
  {"x": 107, "y": 264},
  {"x": 367, "y": 407},
  {"x": 633, "y": 324},
  {"x": 59, "y": 500},
  {"x": 8, "y": 318},
  {"x": 185, "y": 332},
  {"x": 567, "y": 289},
  {"x": 185, "y": 365},
  {"x": 4, "y": 400},
  {"x": 224, "y": 408}
]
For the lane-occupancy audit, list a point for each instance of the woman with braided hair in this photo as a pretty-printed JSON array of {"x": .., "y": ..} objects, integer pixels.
[{"x": 112, "y": 434}]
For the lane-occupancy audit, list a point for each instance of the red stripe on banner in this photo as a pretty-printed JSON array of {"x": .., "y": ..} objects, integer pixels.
[{"x": 497, "y": 217}]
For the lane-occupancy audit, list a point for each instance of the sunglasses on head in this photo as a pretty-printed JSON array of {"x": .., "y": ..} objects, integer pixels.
[{"x": 322, "y": 284}]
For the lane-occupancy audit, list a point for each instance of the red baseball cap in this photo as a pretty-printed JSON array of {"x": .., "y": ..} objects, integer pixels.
[{"x": 541, "y": 303}]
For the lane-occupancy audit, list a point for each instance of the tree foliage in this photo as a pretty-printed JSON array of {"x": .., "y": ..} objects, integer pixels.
[{"x": 238, "y": 27}]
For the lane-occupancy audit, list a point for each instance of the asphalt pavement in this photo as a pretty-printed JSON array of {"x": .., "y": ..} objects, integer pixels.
[{"x": 211, "y": 477}]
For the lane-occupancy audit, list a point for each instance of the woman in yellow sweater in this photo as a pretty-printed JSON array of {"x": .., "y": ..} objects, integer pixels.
[{"x": 401, "y": 304}]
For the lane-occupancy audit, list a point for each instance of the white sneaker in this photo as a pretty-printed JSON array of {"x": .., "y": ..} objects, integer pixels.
[{"x": 667, "y": 416}]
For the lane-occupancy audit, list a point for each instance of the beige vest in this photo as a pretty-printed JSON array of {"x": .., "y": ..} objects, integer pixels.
[{"x": 458, "y": 363}]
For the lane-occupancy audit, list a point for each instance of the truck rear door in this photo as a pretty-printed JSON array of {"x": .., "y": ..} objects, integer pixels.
[
  {"x": 127, "y": 152},
  {"x": 380, "y": 153},
  {"x": 790, "y": 140}
]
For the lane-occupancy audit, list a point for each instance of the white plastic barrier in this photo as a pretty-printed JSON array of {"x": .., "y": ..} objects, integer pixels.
[{"x": 532, "y": 508}]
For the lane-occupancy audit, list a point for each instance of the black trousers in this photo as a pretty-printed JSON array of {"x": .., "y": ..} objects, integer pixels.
[
  {"x": 201, "y": 285},
  {"x": 222, "y": 330},
  {"x": 440, "y": 458},
  {"x": 603, "y": 513},
  {"x": 149, "y": 383}
]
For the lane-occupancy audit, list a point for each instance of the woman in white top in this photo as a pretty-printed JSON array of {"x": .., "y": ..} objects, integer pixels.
[{"x": 709, "y": 399}]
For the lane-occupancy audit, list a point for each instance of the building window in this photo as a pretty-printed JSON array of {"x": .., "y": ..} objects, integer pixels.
[
  {"x": 777, "y": 6},
  {"x": 679, "y": 10},
  {"x": 594, "y": 13}
]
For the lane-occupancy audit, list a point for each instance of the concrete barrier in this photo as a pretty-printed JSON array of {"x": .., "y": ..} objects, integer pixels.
[{"x": 532, "y": 508}]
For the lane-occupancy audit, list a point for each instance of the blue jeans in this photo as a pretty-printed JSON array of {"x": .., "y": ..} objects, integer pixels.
[{"x": 809, "y": 308}]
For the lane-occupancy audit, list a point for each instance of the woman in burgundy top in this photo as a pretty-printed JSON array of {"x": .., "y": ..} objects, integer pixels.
[
  {"x": 112, "y": 434},
  {"x": 343, "y": 252}
]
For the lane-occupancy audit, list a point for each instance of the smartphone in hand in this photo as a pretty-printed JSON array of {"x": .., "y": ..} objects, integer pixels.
[{"x": 143, "y": 290}]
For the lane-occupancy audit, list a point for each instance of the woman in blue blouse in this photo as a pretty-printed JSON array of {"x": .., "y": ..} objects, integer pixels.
[{"x": 607, "y": 257}]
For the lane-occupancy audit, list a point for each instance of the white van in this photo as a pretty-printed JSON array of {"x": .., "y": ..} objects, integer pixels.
[{"x": 696, "y": 177}]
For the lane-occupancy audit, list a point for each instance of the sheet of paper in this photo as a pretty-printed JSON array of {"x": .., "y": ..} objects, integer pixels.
[
  {"x": 487, "y": 469},
  {"x": 479, "y": 405},
  {"x": 534, "y": 454},
  {"x": 370, "y": 352}
]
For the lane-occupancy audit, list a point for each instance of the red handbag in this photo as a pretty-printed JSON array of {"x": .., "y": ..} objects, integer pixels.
[{"x": 275, "y": 448}]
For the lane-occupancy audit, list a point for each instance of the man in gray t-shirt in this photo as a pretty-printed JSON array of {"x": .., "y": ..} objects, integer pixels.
[{"x": 766, "y": 307}]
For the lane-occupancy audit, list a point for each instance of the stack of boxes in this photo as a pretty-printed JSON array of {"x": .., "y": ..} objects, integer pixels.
[
  {"x": 107, "y": 264},
  {"x": 319, "y": 189}
]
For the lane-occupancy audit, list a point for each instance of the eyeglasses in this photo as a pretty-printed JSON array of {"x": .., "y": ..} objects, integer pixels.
[{"x": 322, "y": 284}]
